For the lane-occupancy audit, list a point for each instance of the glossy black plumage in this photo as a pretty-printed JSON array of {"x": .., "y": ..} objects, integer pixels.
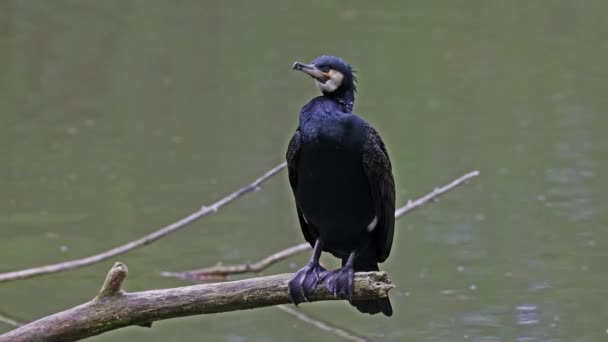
[{"x": 341, "y": 177}]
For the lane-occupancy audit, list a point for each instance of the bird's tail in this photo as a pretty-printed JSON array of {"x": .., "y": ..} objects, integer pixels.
[{"x": 364, "y": 263}]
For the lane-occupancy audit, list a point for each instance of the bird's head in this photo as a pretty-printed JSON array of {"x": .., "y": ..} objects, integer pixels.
[{"x": 332, "y": 76}]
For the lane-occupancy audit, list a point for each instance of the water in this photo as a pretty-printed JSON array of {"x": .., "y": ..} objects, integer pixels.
[{"x": 118, "y": 117}]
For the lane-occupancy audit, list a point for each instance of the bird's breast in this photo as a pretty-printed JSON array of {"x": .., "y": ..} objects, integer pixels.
[
  {"x": 333, "y": 190},
  {"x": 330, "y": 130}
]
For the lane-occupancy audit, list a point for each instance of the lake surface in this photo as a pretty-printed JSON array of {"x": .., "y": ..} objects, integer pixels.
[{"x": 117, "y": 117}]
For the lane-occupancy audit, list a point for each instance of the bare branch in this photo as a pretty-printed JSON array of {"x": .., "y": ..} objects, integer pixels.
[
  {"x": 222, "y": 272},
  {"x": 9, "y": 320},
  {"x": 411, "y": 205},
  {"x": 162, "y": 232},
  {"x": 141, "y": 308},
  {"x": 322, "y": 325}
]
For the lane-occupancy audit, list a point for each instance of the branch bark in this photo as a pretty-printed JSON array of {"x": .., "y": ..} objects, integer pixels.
[
  {"x": 162, "y": 232},
  {"x": 222, "y": 272},
  {"x": 113, "y": 308}
]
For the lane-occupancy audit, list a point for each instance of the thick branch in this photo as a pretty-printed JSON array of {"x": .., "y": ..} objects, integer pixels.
[
  {"x": 162, "y": 232},
  {"x": 295, "y": 312},
  {"x": 221, "y": 272},
  {"x": 141, "y": 308}
]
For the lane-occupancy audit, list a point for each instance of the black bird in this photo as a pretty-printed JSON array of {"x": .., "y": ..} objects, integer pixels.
[{"x": 341, "y": 177}]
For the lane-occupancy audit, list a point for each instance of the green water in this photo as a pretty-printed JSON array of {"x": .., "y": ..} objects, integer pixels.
[{"x": 117, "y": 117}]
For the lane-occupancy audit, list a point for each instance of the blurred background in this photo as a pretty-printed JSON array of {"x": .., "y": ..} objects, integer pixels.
[{"x": 117, "y": 117}]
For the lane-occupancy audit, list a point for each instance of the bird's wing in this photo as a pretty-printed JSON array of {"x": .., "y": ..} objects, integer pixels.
[
  {"x": 377, "y": 166},
  {"x": 293, "y": 151}
]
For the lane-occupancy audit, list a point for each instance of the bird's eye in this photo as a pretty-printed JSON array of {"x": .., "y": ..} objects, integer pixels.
[{"x": 324, "y": 68}]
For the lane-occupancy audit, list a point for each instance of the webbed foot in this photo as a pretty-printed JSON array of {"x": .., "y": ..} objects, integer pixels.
[
  {"x": 304, "y": 282},
  {"x": 340, "y": 282}
]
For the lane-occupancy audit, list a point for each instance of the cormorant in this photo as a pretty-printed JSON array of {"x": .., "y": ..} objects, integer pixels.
[{"x": 341, "y": 177}]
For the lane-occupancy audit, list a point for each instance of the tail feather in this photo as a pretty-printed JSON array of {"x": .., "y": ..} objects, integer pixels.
[{"x": 370, "y": 306}]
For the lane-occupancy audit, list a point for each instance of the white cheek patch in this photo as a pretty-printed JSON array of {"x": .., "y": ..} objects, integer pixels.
[
  {"x": 333, "y": 83},
  {"x": 372, "y": 225}
]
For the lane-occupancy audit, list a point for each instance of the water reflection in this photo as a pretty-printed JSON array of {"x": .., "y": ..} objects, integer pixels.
[
  {"x": 569, "y": 193},
  {"x": 119, "y": 117}
]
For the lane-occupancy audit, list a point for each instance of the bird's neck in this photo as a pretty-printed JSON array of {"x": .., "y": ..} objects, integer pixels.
[{"x": 345, "y": 98}]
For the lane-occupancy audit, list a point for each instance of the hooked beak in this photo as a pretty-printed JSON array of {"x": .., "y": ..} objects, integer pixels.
[{"x": 312, "y": 70}]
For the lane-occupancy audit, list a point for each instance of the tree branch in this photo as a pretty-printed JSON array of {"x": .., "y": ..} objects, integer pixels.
[
  {"x": 320, "y": 324},
  {"x": 113, "y": 308},
  {"x": 9, "y": 321},
  {"x": 411, "y": 205},
  {"x": 162, "y": 232},
  {"x": 221, "y": 272}
]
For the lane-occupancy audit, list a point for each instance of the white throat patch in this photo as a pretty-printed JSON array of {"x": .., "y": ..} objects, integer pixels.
[{"x": 333, "y": 83}]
